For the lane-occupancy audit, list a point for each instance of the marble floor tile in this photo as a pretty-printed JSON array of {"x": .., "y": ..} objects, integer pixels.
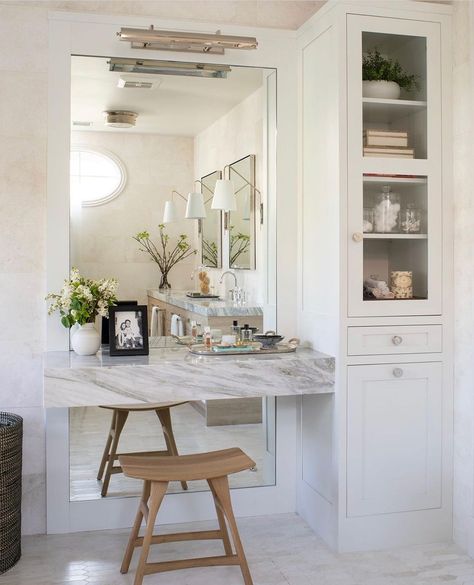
[{"x": 281, "y": 550}]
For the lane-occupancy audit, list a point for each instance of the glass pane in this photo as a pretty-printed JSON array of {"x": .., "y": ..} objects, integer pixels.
[
  {"x": 211, "y": 225},
  {"x": 94, "y": 176},
  {"x": 394, "y": 112},
  {"x": 395, "y": 226}
]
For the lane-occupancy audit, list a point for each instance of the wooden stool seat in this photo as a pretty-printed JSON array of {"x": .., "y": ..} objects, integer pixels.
[
  {"x": 156, "y": 473},
  {"x": 119, "y": 418},
  {"x": 185, "y": 467}
]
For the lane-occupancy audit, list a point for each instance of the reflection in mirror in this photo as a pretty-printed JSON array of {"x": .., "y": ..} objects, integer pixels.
[
  {"x": 180, "y": 134},
  {"x": 242, "y": 221},
  {"x": 211, "y": 225},
  {"x": 196, "y": 427}
]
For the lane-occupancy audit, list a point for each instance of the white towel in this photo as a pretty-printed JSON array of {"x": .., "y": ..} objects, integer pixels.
[
  {"x": 156, "y": 327},
  {"x": 176, "y": 325}
]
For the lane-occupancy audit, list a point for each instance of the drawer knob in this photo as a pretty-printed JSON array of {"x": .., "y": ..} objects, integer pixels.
[
  {"x": 396, "y": 340},
  {"x": 397, "y": 372},
  {"x": 357, "y": 237}
]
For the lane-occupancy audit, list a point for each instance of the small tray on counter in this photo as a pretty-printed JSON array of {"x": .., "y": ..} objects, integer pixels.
[{"x": 201, "y": 349}]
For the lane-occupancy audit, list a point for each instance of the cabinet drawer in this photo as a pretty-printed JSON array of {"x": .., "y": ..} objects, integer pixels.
[{"x": 394, "y": 339}]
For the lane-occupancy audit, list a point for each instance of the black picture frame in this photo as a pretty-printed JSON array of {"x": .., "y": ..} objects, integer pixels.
[
  {"x": 104, "y": 338},
  {"x": 129, "y": 339}
]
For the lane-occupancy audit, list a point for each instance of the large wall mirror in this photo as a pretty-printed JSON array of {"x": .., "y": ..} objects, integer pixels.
[
  {"x": 210, "y": 227},
  {"x": 241, "y": 222},
  {"x": 186, "y": 128}
]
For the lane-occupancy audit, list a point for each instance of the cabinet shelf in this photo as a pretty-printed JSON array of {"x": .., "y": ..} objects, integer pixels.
[
  {"x": 372, "y": 236},
  {"x": 381, "y": 180},
  {"x": 385, "y": 111}
]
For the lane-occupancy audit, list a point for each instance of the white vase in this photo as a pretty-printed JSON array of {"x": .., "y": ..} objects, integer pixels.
[
  {"x": 387, "y": 90},
  {"x": 86, "y": 340}
]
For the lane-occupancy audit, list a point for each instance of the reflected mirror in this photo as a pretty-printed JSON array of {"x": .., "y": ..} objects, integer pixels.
[
  {"x": 241, "y": 223},
  {"x": 185, "y": 128},
  {"x": 211, "y": 226}
]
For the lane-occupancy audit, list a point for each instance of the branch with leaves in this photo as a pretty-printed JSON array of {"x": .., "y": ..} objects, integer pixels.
[
  {"x": 162, "y": 254},
  {"x": 239, "y": 244},
  {"x": 210, "y": 253}
]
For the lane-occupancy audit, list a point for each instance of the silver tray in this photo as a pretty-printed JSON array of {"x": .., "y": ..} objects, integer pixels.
[{"x": 200, "y": 349}]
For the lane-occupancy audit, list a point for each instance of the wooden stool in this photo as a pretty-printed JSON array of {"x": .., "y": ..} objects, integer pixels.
[
  {"x": 157, "y": 472},
  {"x": 119, "y": 417}
]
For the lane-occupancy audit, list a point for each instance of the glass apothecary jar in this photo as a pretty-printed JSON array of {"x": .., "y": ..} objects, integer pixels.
[
  {"x": 387, "y": 212},
  {"x": 410, "y": 219}
]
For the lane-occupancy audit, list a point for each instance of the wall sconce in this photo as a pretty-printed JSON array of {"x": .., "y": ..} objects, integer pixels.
[
  {"x": 225, "y": 196},
  {"x": 194, "y": 205}
]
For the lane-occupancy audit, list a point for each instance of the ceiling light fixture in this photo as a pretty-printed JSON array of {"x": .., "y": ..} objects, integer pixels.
[
  {"x": 168, "y": 68},
  {"x": 120, "y": 118},
  {"x": 165, "y": 40}
]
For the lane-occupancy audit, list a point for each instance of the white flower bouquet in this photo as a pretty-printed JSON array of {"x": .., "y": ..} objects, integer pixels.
[{"x": 82, "y": 299}]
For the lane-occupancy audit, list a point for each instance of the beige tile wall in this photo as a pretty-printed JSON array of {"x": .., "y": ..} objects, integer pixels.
[{"x": 463, "y": 105}]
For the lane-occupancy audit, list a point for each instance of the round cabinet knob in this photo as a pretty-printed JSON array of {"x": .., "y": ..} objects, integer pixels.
[
  {"x": 357, "y": 237},
  {"x": 396, "y": 340},
  {"x": 397, "y": 372}
]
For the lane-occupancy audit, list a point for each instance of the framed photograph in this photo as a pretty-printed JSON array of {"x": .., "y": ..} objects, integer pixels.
[
  {"x": 128, "y": 330},
  {"x": 105, "y": 323}
]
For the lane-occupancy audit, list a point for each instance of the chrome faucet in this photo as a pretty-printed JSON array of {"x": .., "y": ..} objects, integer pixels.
[{"x": 221, "y": 280}]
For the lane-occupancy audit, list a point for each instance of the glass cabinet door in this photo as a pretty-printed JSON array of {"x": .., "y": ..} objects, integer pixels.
[{"x": 394, "y": 167}]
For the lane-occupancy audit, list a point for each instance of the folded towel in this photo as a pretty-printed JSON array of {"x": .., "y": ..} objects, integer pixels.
[
  {"x": 156, "y": 326},
  {"x": 176, "y": 325}
]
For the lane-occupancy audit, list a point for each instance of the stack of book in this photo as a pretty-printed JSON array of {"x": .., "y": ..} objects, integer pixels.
[{"x": 387, "y": 143}]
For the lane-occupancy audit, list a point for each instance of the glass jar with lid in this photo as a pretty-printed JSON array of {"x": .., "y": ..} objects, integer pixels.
[
  {"x": 387, "y": 212},
  {"x": 410, "y": 219}
]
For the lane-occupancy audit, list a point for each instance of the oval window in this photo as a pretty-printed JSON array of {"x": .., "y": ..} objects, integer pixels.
[{"x": 96, "y": 177}]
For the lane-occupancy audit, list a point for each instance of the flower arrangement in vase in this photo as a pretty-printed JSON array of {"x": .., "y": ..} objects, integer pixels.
[
  {"x": 163, "y": 254},
  {"x": 79, "y": 302}
]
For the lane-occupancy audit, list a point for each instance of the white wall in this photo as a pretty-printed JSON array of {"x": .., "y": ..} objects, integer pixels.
[
  {"x": 232, "y": 137},
  {"x": 102, "y": 243},
  {"x": 463, "y": 105}
]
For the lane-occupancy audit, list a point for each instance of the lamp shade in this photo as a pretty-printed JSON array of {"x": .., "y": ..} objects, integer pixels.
[
  {"x": 224, "y": 196},
  {"x": 170, "y": 214},
  {"x": 195, "y": 206}
]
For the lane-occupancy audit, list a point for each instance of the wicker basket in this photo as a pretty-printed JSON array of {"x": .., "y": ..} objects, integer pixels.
[{"x": 11, "y": 435}]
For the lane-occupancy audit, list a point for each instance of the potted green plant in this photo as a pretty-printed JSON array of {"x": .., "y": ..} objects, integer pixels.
[
  {"x": 79, "y": 302},
  {"x": 164, "y": 256},
  {"x": 384, "y": 77}
]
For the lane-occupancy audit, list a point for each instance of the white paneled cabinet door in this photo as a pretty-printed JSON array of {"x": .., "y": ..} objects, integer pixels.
[
  {"x": 394, "y": 171},
  {"x": 394, "y": 438}
]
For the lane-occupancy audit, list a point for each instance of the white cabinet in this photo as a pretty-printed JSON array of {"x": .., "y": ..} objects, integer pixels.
[
  {"x": 412, "y": 178},
  {"x": 392, "y": 414},
  {"x": 394, "y": 438}
]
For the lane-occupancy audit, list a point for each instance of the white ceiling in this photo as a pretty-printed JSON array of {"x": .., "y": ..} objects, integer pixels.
[{"x": 182, "y": 106}]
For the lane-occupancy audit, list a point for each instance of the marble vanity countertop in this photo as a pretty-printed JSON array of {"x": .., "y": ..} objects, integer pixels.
[
  {"x": 171, "y": 373},
  {"x": 207, "y": 307}
]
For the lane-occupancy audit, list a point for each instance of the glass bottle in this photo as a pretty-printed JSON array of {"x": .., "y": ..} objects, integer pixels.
[
  {"x": 207, "y": 338},
  {"x": 410, "y": 219},
  {"x": 368, "y": 224},
  {"x": 387, "y": 212},
  {"x": 246, "y": 334},
  {"x": 235, "y": 329}
]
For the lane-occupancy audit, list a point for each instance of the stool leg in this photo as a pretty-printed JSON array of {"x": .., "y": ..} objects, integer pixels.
[
  {"x": 136, "y": 528},
  {"x": 120, "y": 420},
  {"x": 164, "y": 415},
  {"x": 158, "y": 491},
  {"x": 221, "y": 487},
  {"x": 105, "y": 455},
  {"x": 221, "y": 519}
]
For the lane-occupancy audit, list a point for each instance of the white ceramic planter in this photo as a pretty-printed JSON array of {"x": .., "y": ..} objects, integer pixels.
[
  {"x": 388, "y": 90},
  {"x": 86, "y": 340}
]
